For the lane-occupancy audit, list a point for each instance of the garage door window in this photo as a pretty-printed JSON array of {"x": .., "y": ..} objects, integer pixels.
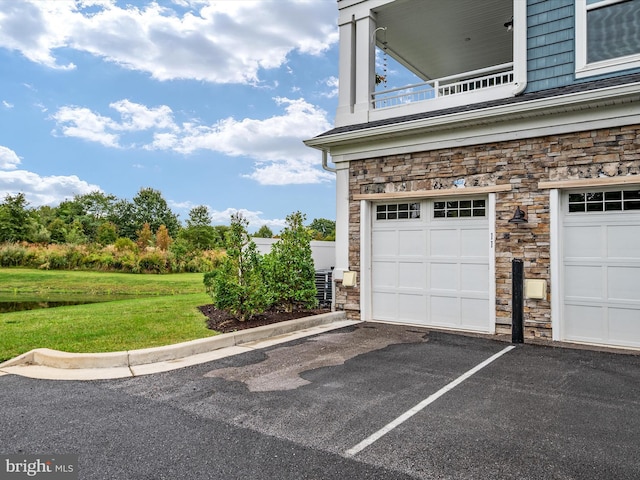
[
  {"x": 396, "y": 211},
  {"x": 598, "y": 201},
  {"x": 459, "y": 208}
]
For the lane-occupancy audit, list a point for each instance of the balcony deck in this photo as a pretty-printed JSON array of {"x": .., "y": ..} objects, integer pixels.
[{"x": 478, "y": 82}]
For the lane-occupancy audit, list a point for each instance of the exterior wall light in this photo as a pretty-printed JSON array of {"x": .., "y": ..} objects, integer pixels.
[{"x": 519, "y": 216}]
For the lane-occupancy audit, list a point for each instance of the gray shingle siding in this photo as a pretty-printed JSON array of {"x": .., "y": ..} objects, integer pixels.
[{"x": 550, "y": 44}]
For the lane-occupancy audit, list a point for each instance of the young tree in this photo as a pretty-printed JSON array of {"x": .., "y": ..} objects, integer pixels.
[
  {"x": 150, "y": 207},
  {"x": 323, "y": 229},
  {"x": 147, "y": 206},
  {"x": 163, "y": 239},
  {"x": 15, "y": 218},
  {"x": 199, "y": 234},
  {"x": 199, "y": 217},
  {"x": 107, "y": 233},
  {"x": 289, "y": 269},
  {"x": 57, "y": 231},
  {"x": 263, "y": 232},
  {"x": 75, "y": 234},
  {"x": 237, "y": 286},
  {"x": 145, "y": 237}
]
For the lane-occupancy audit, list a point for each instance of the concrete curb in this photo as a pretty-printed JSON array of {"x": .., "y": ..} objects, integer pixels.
[{"x": 64, "y": 360}]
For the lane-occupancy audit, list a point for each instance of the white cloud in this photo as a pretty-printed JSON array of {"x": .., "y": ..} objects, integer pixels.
[
  {"x": 82, "y": 123},
  {"x": 9, "y": 160},
  {"x": 39, "y": 190},
  {"x": 274, "y": 143},
  {"x": 214, "y": 41},
  {"x": 332, "y": 83},
  {"x": 7, "y": 104},
  {"x": 138, "y": 117},
  {"x": 223, "y": 217}
]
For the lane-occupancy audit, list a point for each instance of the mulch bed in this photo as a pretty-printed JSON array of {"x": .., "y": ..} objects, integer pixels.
[{"x": 222, "y": 322}]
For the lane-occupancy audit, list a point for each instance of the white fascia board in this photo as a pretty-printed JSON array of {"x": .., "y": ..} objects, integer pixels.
[
  {"x": 357, "y": 9},
  {"x": 613, "y": 106}
]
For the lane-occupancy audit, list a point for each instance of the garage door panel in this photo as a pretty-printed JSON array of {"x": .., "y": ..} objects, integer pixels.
[
  {"x": 411, "y": 243},
  {"x": 384, "y": 274},
  {"x": 474, "y": 313},
  {"x": 583, "y": 281},
  {"x": 384, "y": 304},
  {"x": 623, "y": 283},
  {"x": 444, "y": 311},
  {"x": 623, "y": 326},
  {"x": 585, "y": 242},
  {"x": 584, "y": 323},
  {"x": 474, "y": 278},
  {"x": 473, "y": 243},
  {"x": 623, "y": 241},
  {"x": 444, "y": 276},
  {"x": 412, "y": 308},
  {"x": 443, "y": 243},
  {"x": 384, "y": 243},
  {"x": 412, "y": 275}
]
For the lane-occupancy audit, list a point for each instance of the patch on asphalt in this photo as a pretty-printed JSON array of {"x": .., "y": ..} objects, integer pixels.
[{"x": 283, "y": 366}]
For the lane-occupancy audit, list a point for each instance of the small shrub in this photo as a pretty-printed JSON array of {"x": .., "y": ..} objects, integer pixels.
[
  {"x": 152, "y": 262},
  {"x": 236, "y": 286},
  {"x": 289, "y": 269},
  {"x": 12, "y": 255},
  {"x": 125, "y": 244}
]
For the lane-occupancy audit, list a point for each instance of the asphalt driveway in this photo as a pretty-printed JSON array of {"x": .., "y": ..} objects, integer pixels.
[{"x": 299, "y": 410}]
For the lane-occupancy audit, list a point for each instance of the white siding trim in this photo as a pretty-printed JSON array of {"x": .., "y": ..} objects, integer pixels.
[
  {"x": 365, "y": 261},
  {"x": 550, "y": 116},
  {"x": 491, "y": 212},
  {"x": 584, "y": 69},
  {"x": 555, "y": 213}
]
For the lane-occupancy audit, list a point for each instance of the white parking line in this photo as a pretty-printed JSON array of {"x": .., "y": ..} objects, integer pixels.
[{"x": 427, "y": 401}]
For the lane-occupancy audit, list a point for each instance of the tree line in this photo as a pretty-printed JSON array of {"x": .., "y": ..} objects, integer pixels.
[{"x": 141, "y": 234}]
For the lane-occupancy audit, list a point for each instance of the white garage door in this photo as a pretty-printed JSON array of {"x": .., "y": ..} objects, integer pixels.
[
  {"x": 601, "y": 267},
  {"x": 430, "y": 263}
]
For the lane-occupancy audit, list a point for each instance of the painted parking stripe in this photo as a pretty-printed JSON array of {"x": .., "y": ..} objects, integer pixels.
[{"x": 423, "y": 404}]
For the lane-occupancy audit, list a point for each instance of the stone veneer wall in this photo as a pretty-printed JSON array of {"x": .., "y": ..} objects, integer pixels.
[{"x": 522, "y": 163}]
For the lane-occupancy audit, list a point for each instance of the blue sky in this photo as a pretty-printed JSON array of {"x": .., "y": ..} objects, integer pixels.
[{"x": 205, "y": 101}]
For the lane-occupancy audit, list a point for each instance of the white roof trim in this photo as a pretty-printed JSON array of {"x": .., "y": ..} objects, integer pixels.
[{"x": 559, "y": 114}]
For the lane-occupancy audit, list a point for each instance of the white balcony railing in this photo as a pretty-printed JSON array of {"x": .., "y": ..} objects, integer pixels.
[{"x": 466, "y": 82}]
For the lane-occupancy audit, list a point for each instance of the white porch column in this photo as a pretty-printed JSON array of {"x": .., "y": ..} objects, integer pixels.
[
  {"x": 346, "y": 72},
  {"x": 365, "y": 67},
  {"x": 356, "y": 69}
]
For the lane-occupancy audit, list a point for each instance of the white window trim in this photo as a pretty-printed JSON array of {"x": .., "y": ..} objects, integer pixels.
[{"x": 584, "y": 69}]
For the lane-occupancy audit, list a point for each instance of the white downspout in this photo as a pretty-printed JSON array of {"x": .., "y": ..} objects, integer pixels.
[
  {"x": 325, "y": 166},
  {"x": 325, "y": 162},
  {"x": 519, "y": 46}
]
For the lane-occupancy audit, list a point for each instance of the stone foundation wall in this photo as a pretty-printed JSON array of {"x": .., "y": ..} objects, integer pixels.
[{"x": 522, "y": 164}]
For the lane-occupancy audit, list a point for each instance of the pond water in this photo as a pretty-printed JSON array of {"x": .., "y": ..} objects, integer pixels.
[
  {"x": 6, "y": 307},
  {"x": 17, "y": 303}
]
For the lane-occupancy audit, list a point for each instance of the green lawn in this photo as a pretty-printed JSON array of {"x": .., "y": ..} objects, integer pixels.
[
  {"x": 17, "y": 281},
  {"x": 168, "y": 315}
]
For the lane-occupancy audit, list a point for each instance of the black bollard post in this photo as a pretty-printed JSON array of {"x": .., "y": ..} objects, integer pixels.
[{"x": 517, "y": 301}]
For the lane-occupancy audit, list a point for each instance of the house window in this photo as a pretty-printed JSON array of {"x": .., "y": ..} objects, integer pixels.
[
  {"x": 459, "y": 208},
  {"x": 598, "y": 201},
  {"x": 607, "y": 36},
  {"x": 397, "y": 211}
]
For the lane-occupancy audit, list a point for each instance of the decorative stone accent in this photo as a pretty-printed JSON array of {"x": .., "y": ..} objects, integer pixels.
[{"x": 523, "y": 164}]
